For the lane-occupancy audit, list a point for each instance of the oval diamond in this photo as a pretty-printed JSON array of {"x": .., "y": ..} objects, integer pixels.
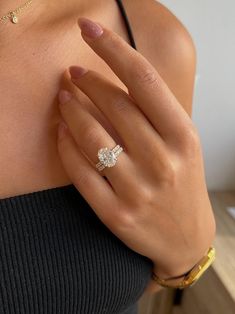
[{"x": 107, "y": 157}]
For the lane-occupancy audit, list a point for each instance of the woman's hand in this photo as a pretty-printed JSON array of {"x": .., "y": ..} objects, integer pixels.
[{"x": 155, "y": 198}]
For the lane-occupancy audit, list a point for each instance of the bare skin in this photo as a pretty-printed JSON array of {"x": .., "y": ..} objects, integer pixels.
[{"x": 32, "y": 60}]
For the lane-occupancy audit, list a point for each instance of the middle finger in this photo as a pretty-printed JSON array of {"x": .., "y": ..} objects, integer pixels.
[
  {"x": 143, "y": 81},
  {"x": 130, "y": 123}
]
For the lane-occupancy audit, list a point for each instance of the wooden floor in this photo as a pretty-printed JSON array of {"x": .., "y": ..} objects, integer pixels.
[{"x": 214, "y": 293}]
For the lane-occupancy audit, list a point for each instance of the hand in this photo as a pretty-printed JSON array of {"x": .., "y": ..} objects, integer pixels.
[{"x": 157, "y": 190}]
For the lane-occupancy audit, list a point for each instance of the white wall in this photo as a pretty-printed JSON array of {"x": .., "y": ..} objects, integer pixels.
[{"x": 212, "y": 26}]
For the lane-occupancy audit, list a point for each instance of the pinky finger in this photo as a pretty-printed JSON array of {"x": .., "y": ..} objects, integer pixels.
[{"x": 94, "y": 188}]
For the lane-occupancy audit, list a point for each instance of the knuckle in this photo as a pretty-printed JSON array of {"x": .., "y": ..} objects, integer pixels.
[
  {"x": 191, "y": 140},
  {"x": 91, "y": 77},
  {"x": 128, "y": 219},
  {"x": 145, "y": 193},
  {"x": 81, "y": 179},
  {"x": 146, "y": 75},
  {"x": 168, "y": 174},
  {"x": 169, "y": 177},
  {"x": 114, "y": 41},
  {"x": 90, "y": 134},
  {"x": 125, "y": 219},
  {"x": 123, "y": 215},
  {"x": 120, "y": 104}
]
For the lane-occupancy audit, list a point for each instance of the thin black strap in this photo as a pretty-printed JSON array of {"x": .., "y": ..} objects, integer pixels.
[{"x": 123, "y": 12}]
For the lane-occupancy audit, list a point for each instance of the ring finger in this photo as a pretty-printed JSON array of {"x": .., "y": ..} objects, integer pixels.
[{"x": 90, "y": 136}]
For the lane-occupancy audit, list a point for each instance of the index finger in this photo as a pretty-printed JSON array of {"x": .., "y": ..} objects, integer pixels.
[{"x": 144, "y": 83}]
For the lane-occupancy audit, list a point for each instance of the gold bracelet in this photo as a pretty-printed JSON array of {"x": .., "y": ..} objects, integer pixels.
[
  {"x": 175, "y": 277},
  {"x": 191, "y": 276}
]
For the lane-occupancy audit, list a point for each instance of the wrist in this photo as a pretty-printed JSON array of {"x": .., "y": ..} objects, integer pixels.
[
  {"x": 175, "y": 280},
  {"x": 172, "y": 266},
  {"x": 191, "y": 276},
  {"x": 177, "y": 271}
]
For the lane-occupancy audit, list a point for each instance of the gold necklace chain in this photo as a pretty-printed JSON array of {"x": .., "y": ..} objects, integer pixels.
[{"x": 13, "y": 15}]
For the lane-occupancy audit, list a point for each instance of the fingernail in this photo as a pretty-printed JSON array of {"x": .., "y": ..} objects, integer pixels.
[
  {"x": 64, "y": 96},
  {"x": 76, "y": 71},
  {"x": 62, "y": 130},
  {"x": 90, "y": 28}
]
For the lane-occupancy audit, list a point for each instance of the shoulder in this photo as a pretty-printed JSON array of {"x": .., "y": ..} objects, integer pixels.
[{"x": 162, "y": 38}]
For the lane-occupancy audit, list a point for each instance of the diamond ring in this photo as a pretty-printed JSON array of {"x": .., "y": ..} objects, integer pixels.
[{"x": 108, "y": 157}]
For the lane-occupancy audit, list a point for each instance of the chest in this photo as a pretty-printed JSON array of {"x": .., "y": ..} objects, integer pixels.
[
  {"x": 31, "y": 77},
  {"x": 31, "y": 69}
]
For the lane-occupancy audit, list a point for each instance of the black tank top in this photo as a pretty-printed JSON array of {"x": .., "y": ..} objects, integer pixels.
[{"x": 57, "y": 257}]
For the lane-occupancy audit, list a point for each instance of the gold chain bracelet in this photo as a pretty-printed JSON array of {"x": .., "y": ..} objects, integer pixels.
[{"x": 13, "y": 15}]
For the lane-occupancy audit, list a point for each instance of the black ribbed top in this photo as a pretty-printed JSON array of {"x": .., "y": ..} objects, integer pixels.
[{"x": 56, "y": 256}]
